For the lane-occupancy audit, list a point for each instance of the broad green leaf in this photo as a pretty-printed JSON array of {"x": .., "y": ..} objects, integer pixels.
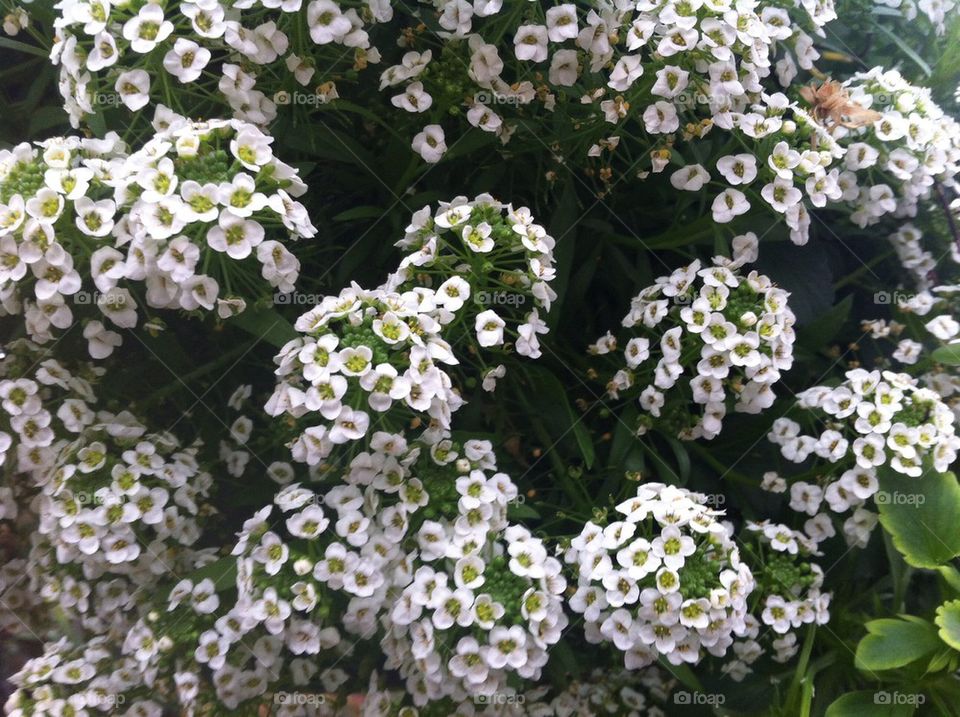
[
  {"x": 866, "y": 703},
  {"x": 949, "y": 354},
  {"x": 948, "y": 620},
  {"x": 893, "y": 643},
  {"x": 921, "y": 515}
]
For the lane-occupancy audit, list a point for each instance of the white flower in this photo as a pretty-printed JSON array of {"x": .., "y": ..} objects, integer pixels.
[
  {"x": 430, "y": 144},
  {"x": 100, "y": 341},
  {"x": 147, "y": 28},
  {"x": 186, "y": 60},
  {"x": 738, "y": 168},
  {"x": 326, "y": 22},
  {"x": 477, "y": 238},
  {"x": 562, "y": 22},
  {"x": 235, "y": 235},
  {"x": 944, "y": 327},
  {"x": 729, "y": 204},
  {"x": 489, "y": 328},
  {"x": 690, "y": 178},
  {"x": 781, "y": 194},
  {"x": 134, "y": 89},
  {"x": 530, "y": 43},
  {"x": 413, "y": 99}
]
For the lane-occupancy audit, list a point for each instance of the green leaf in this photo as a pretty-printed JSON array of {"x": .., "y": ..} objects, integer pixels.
[
  {"x": 921, "y": 515},
  {"x": 949, "y": 354},
  {"x": 223, "y": 572},
  {"x": 948, "y": 620},
  {"x": 951, "y": 575},
  {"x": 265, "y": 324},
  {"x": 868, "y": 704},
  {"x": 23, "y": 47},
  {"x": 521, "y": 510},
  {"x": 821, "y": 331},
  {"x": 364, "y": 212},
  {"x": 893, "y": 643},
  {"x": 905, "y": 48}
]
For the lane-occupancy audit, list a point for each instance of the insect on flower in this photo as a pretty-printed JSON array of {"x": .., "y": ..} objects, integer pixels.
[{"x": 831, "y": 101}]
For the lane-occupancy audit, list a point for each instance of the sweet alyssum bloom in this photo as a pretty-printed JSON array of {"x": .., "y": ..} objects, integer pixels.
[
  {"x": 711, "y": 324},
  {"x": 634, "y": 589},
  {"x": 882, "y": 420}
]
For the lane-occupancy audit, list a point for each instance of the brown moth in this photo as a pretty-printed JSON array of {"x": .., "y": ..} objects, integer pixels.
[{"x": 831, "y": 101}]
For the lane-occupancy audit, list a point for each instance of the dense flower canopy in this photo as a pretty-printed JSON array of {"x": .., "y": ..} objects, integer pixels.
[{"x": 471, "y": 357}]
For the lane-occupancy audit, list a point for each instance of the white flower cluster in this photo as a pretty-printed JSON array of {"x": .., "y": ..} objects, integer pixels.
[
  {"x": 82, "y": 221},
  {"x": 871, "y": 420},
  {"x": 252, "y": 436},
  {"x": 710, "y": 54},
  {"x": 788, "y": 594},
  {"x": 489, "y": 609},
  {"x": 202, "y": 194},
  {"x": 119, "y": 510},
  {"x": 733, "y": 332},
  {"x": 56, "y": 207},
  {"x": 365, "y": 351},
  {"x": 935, "y": 11},
  {"x": 666, "y": 580},
  {"x": 87, "y": 680},
  {"x": 305, "y": 574},
  {"x": 491, "y": 260},
  {"x": 40, "y": 403},
  {"x": 913, "y": 257},
  {"x": 130, "y": 53},
  {"x": 43, "y": 407},
  {"x": 614, "y": 692},
  {"x": 874, "y": 419},
  {"x": 899, "y": 157}
]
